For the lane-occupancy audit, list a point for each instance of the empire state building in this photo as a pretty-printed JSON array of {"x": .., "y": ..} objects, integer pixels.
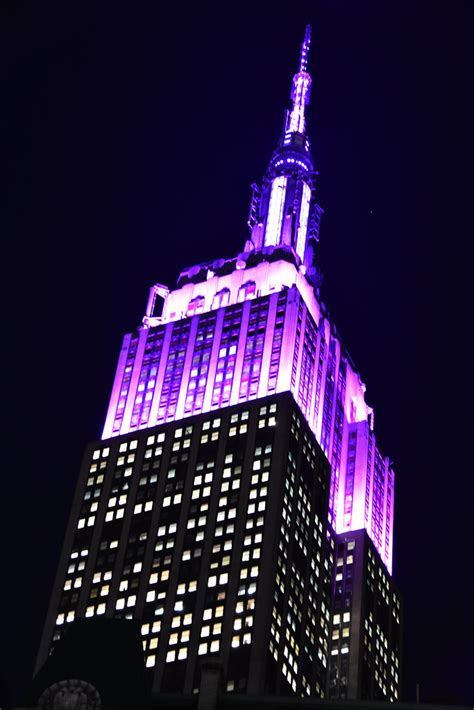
[{"x": 238, "y": 506}]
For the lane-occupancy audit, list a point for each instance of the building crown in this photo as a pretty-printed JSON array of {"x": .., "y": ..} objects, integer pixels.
[{"x": 283, "y": 212}]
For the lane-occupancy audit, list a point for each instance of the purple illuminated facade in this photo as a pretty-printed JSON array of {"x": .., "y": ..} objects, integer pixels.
[
  {"x": 238, "y": 504},
  {"x": 254, "y": 325}
]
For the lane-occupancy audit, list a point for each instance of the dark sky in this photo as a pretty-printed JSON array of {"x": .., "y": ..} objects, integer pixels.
[{"x": 131, "y": 135}]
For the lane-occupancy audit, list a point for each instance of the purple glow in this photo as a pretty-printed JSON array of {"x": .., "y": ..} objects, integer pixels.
[
  {"x": 305, "y": 49},
  {"x": 300, "y": 95},
  {"x": 301, "y": 88},
  {"x": 222, "y": 356},
  {"x": 275, "y": 211},
  {"x": 303, "y": 221},
  {"x": 243, "y": 328}
]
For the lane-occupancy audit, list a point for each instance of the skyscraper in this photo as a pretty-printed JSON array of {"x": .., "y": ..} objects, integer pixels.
[{"x": 238, "y": 503}]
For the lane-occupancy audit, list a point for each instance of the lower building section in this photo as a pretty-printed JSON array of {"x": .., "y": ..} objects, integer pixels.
[
  {"x": 212, "y": 534},
  {"x": 365, "y": 655}
]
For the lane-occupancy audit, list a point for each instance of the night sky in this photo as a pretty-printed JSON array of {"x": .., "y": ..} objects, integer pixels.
[{"x": 131, "y": 136}]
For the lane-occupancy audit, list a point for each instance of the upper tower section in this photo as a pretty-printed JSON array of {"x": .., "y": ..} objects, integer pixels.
[
  {"x": 252, "y": 326},
  {"x": 283, "y": 212}
]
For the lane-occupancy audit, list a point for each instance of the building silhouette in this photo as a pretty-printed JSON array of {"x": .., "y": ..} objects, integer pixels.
[{"x": 238, "y": 506}]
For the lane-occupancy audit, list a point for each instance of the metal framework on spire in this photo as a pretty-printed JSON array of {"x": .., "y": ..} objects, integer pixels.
[
  {"x": 305, "y": 49},
  {"x": 301, "y": 89}
]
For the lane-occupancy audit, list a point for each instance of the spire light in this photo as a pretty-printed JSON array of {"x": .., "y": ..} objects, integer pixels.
[
  {"x": 301, "y": 89},
  {"x": 305, "y": 49}
]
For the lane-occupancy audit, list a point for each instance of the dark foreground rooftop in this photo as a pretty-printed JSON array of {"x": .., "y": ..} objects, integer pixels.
[{"x": 98, "y": 665}]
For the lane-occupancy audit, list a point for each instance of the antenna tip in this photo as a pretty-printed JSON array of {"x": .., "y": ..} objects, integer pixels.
[{"x": 305, "y": 48}]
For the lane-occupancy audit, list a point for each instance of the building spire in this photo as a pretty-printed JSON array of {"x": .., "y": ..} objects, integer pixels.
[
  {"x": 301, "y": 89},
  {"x": 283, "y": 212},
  {"x": 305, "y": 49}
]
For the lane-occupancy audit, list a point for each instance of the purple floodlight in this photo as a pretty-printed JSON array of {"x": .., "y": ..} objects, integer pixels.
[{"x": 253, "y": 326}]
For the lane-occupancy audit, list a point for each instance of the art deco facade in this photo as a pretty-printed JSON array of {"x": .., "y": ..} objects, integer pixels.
[{"x": 238, "y": 453}]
